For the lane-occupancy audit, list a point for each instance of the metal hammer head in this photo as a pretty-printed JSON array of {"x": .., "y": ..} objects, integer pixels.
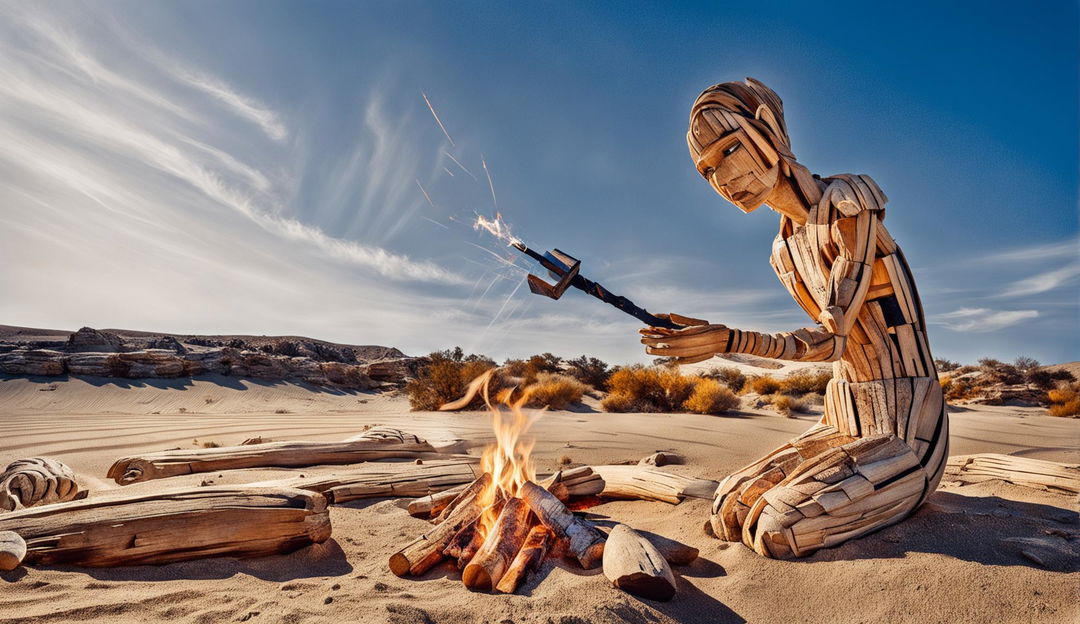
[{"x": 561, "y": 266}]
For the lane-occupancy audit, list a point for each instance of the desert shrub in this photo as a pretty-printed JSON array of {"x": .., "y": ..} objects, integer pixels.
[
  {"x": 555, "y": 391},
  {"x": 966, "y": 368},
  {"x": 444, "y": 378},
  {"x": 946, "y": 383},
  {"x": 958, "y": 388},
  {"x": 542, "y": 363},
  {"x": 710, "y": 397},
  {"x": 1045, "y": 379},
  {"x": 730, "y": 376},
  {"x": 1065, "y": 401},
  {"x": 945, "y": 366},
  {"x": 281, "y": 410},
  {"x": 211, "y": 445},
  {"x": 514, "y": 368},
  {"x": 620, "y": 403},
  {"x": 649, "y": 389},
  {"x": 788, "y": 405},
  {"x": 1025, "y": 363},
  {"x": 589, "y": 370},
  {"x": 805, "y": 381},
  {"x": 1000, "y": 372},
  {"x": 762, "y": 384}
]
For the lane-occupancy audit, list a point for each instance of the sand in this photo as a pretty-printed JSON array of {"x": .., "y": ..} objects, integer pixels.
[{"x": 957, "y": 559}]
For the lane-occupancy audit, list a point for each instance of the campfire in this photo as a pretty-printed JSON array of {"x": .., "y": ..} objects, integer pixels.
[{"x": 503, "y": 524}]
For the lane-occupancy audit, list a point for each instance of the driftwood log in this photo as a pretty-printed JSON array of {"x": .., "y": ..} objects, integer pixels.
[
  {"x": 12, "y": 550},
  {"x": 36, "y": 481},
  {"x": 528, "y": 558},
  {"x": 236, "y": 521},
  {"x": 425, "y": 551},
  {"x": 499, "y": 548},
  {"x": 432, "y": 505},
  {"x": 1017, "y": 470},
  {"x": 647, "y": 483},
  {"x": 634, "y": 565},
  {"x": 584, "y": 541},
  {"x": 377, "y": 443}
]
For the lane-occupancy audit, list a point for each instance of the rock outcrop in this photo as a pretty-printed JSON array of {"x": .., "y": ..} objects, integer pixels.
[{"x": 90, "y": 352}]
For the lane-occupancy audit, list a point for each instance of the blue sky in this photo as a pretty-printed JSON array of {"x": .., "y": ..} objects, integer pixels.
[{"x": 256, "y": 167}]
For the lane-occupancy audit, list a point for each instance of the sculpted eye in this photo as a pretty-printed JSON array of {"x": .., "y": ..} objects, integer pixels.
[
  {"x": 707, "y": 172},
  {"x": 731, "y": 150}
]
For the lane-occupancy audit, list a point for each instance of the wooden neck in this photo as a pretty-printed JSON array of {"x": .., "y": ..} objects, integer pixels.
[{"x": 786, "y": 201}]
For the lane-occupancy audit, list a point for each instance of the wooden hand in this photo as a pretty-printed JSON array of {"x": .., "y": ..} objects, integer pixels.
[{"x": 696, "y": 342}]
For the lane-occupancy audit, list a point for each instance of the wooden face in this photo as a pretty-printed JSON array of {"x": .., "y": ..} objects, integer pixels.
[{"x": 727, "y": 156}]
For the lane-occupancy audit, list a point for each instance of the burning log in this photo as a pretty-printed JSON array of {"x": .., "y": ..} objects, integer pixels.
[
  {"x": 377, "y": 443},
  {"x": 500, "y": 547},
  {"x": 634, "y": 565},
  {"x": 12, "y": 550},
  {"x": 528, "y": 558},
  {"x": 642, "y": 482},
  {"x": 157, "y": 528},
  {"x": 467, "y": 542},
  {"x": 425, "y": 551},
  {"x": 585, "y": 542}
]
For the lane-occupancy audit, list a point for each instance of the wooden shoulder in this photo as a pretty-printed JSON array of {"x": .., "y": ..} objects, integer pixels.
[{"x": 849, "y": 194}]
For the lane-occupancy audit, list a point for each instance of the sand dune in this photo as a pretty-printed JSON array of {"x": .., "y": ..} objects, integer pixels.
[{"x": 957, "y": 560}]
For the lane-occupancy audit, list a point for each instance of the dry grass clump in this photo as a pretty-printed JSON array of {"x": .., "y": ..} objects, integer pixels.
[
  {"x": 730, "y": 376},
  {"x": 788, "y": 405},
  {"x": 710, "y": 397},
  {"x": 662, "y": 389},
  {"x": 445, "y": 379},
  {"x": 555, "y": 391},
  {"x": 805, "y": 381},
  {"x": 761, "y": 384},
  {"x": 1065, "y": 401}
]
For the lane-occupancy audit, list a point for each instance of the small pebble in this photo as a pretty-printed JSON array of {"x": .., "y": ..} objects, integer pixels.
[{"x": 328, "y": 600}]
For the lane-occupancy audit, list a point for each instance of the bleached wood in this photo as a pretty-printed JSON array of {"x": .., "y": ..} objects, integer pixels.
[
  {"x": 12, "y": 550},
  {"x": 646, "y": 483},
  {"x": 377, "y": 443},
  {"x": 36, "y": 481},
  {"x": 176, "y": 525},
  {"x": 634, "y": 565},
  {"x": 585, "y": 541},
  {"x": 1017, "y": 470},
  {"x": 432, "y": 504}
]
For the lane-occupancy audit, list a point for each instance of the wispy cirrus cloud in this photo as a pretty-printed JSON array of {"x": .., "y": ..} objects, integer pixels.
[
  {"x": 981, "y": 319},
  {"x": 244, "y": 106},
  {"x": 1043, "y": 282}
]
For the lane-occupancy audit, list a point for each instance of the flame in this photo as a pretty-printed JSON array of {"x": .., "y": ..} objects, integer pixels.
[
  {"x": 508, "y": 459},
  {"x": 497, "y": 228}
]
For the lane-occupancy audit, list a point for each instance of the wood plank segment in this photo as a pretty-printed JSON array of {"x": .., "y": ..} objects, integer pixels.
[
  {"x": 377, "y": 443},
  {"x": 176, "y": 525}
]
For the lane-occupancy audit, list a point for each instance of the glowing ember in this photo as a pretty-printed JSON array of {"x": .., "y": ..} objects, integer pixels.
[{"x": 497, "y": 228}]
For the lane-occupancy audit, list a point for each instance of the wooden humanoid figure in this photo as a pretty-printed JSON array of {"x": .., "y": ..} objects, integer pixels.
[{"x": 881, "y": 446}]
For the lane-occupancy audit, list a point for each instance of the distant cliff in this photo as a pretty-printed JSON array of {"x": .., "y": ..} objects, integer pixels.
[{"x": 141, "y": 355}]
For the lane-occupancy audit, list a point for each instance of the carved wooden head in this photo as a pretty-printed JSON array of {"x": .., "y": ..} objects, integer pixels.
[{"x": 738, "y": 141}]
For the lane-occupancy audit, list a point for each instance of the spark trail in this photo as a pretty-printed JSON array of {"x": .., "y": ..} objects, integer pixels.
[{"x": 436, "y": 116}]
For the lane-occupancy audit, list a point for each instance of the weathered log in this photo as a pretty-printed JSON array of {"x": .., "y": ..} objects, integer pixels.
[
  {"x": 641, "y": 482},
  {"x": 391, "y": 480},
  {"x": 499, "y": 548},
  {"x": 427, "y": 550},
  {"x": 432, "y": 505},
  {"x": 580, "y": 481},
  {"x": 585, "y": 541},
  {"x": 36, "y": 481},
  {"x": 528, "y": 558},
  {"x": 634, "y": 565},
  {"x": 157, "y": 528},
  {"x": 12, "y": 550},
  {"x": 467, "y": 541},
  {"x": 1017, "y": 470},
  {"x": 377, "y": 443}
]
